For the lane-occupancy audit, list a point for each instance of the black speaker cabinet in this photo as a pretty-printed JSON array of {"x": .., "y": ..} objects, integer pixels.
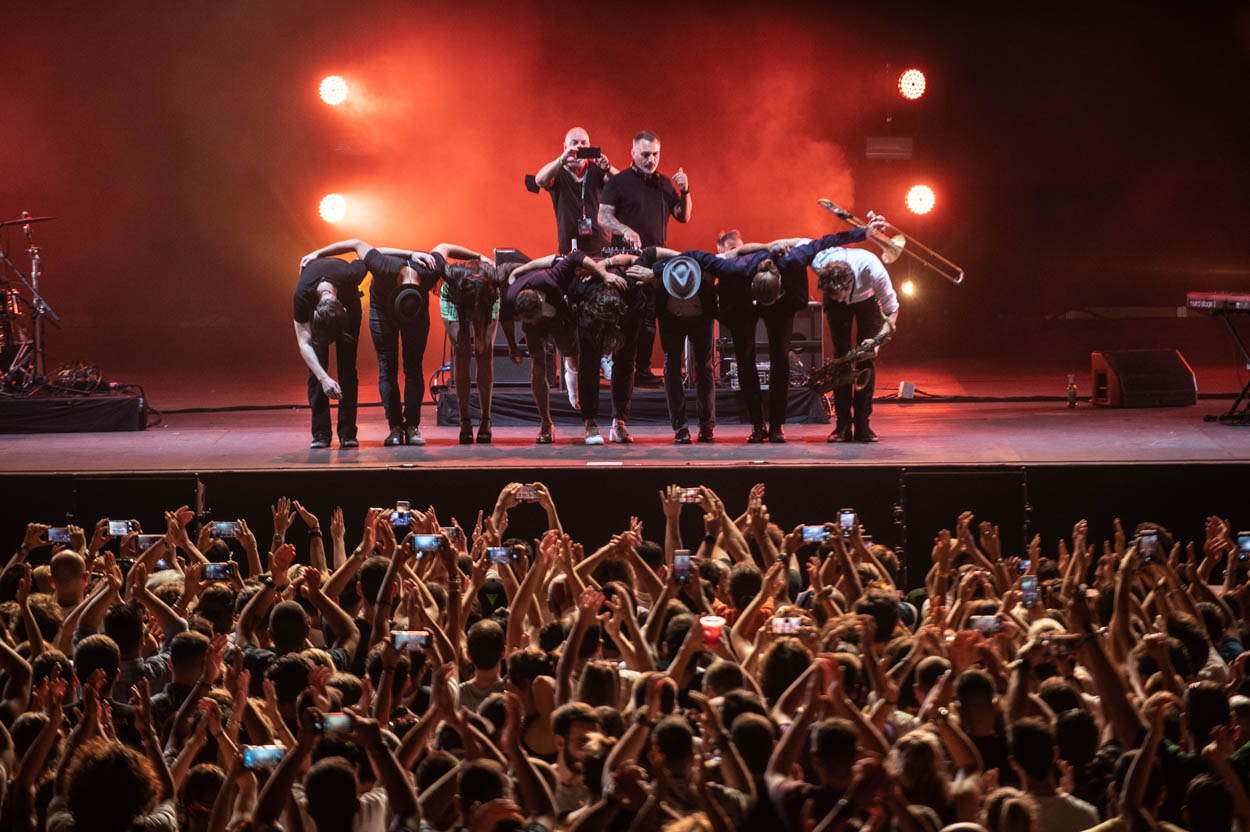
[{"x": 1142, "y": 378}]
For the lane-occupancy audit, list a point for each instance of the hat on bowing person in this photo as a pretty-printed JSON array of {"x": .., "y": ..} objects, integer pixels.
[
  {"x": 682, "y": 277},
  {"x": 411, "y": 302}
]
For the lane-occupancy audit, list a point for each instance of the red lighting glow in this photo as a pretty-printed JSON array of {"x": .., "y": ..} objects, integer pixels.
[
  {"x": 911, "y": 84},
  {"x": 334, "y": 90},
  {"x": 333, "y": 207},
  {"x": 920, "y": 199}
]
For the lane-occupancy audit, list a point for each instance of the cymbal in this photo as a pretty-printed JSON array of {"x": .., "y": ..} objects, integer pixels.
[{"x": 25, "y": 221}]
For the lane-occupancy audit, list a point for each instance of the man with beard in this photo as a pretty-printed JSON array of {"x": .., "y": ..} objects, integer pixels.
[
  {"x": 636, "y": 204},
  {"x": 572, "y": 725}
]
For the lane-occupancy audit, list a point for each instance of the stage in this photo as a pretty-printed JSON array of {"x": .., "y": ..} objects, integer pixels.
[
  {"x": 914, "y": 434},
  {"x": 1031, "y": 466}
]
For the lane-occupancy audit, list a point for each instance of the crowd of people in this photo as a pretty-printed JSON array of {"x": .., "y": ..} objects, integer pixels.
[
  {"x": 599, "y": 305},
  {"x": 404, "y": 673}
]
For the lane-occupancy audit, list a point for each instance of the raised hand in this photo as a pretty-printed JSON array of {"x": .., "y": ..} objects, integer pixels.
[
  {"x": 77, "y": 538},
  {"x": 337, "y": 527},
  {"x": 312, "y": 582},
  {"x": 589, "y": 603},
  {"x": 282, "y": 516},
  {"x": 280, "y": 561},
  {"x": 310, "y": 519}
]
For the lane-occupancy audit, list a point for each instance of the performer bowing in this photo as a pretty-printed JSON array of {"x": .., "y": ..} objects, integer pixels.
[{"x": 856, "y": 289}]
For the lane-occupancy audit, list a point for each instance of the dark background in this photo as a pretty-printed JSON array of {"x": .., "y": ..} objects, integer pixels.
[{"x": 1082, "y": 155}]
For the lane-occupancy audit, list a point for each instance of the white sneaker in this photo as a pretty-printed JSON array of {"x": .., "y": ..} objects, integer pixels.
[
  {"x": 593, "y": 436},
  {"x": 605, "y": 364},
  {"x": 570, "y": 384}
]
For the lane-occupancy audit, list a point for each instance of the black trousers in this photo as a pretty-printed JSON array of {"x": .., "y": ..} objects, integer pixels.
[
  {"x": 780, "y": 327},
  {"x": 345, "y": 368},
  {"x": 646, "y": 338},
  {"x": 387, "y": 331},
  {"x": 622, "y": 370},
  {"x": 868, "y": 320},
  {"x": 673, "y": 334}
]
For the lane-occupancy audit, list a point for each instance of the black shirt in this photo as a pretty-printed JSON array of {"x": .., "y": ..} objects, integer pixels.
[
  {"x": 386, "y": 268},
  {"x": 572, "y": 200},
  {"x": 734, "y": 274},
  {"x": 553, "y": 283},
  {"x": 344, "y": 275},
  {"x": 644, "y": 203}
]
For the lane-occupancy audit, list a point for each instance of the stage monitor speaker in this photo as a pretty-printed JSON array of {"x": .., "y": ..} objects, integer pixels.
[{"x": 1142, "y": 378}]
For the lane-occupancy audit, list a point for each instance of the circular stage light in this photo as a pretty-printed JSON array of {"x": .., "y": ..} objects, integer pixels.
[
  {"x": 911, "y": 84},
  {"x": 334, "y": 90},
  {"x": 920, "y": 199},
  {"x": 333, "y": 207},
  {"x": 909, "y": 288}
]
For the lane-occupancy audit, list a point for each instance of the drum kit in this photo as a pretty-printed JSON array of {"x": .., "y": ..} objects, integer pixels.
[{"x": 22, "y": 315}]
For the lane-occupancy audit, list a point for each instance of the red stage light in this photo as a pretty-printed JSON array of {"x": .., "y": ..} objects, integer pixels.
[
  {"x": 911, "y": 84},
  {"x": 333, "y": 207},
  {"x": 333, "y": 90},
  {"x": 920, "y": 199}
]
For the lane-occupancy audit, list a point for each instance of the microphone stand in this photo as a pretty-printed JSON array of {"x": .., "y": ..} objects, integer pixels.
[{"x": 39, "y": 307}]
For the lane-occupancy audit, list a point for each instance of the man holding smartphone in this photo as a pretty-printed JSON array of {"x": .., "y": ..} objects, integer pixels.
[{"x": 575, "y": 180}]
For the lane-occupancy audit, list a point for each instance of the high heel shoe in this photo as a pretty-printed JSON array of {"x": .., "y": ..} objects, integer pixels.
[
  {"x": 466, "y": 432},
  {"x": 483, "y": 431}
]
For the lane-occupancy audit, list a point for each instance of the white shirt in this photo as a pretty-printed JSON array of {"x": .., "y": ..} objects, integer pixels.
[
  {"x": 871, "y": 278},
  {"x": 1062, "y": 812}
]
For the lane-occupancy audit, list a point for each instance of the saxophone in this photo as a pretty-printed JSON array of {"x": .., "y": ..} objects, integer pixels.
[{"x": 841, "y": 371}]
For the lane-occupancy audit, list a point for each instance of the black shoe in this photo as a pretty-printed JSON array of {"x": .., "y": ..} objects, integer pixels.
[
  {"x": 546, "y": 434},
  {"x": 865, "y": 434},
  {"x": 706, "y": 434},
  {"x": 466, "y": 433},
  {"x": 395, "y": 437},
  {"x": 841, "y": 433},
  {"x": 682, "y": 437},
  {"x": 483, "y": 432},
  {"x": 349, "y": 444},
  {"x": 647, "y": 379},
  {"x": 757, "y": 435},
  {"x": 412, "y": 435},
  {"x": 777, "y": 435},
  {"x": 319, "y": 442}
]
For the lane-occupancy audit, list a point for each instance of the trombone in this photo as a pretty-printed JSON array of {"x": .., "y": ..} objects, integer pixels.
[{"x": 893, "y": 247}]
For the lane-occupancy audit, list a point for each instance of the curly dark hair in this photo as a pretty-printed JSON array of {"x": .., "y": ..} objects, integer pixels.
[
  {"x": 604, "y": 310},
  {"x": 472, "y": 288},
  {"x": 835, "y": 276}
]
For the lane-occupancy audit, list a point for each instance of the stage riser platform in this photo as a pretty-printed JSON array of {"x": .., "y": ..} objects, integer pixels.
[
  {"x": 515, "y": 406},
  {"x": 595, "y": 501},
  {"x": 71, "y": 414}
]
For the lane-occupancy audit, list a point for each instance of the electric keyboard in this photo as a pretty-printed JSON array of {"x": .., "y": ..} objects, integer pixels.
[{"x": 1219, "y": 301}]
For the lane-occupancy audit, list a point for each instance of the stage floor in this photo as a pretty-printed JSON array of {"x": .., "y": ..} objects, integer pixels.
[{"x": 916, "y": 434}]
